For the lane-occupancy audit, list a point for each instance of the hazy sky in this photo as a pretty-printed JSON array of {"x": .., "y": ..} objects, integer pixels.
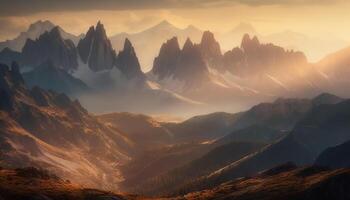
[{"x": 314, "y": 17}]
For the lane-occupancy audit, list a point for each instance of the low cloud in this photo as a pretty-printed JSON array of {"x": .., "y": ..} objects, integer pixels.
[{"x": 28, "y": 7}]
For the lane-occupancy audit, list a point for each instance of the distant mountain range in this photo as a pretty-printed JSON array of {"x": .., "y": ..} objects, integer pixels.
[
  {"x": 148, "y": 42},
  {"x": 183, "y": 75},
  {"x": 33, "y": 32}
]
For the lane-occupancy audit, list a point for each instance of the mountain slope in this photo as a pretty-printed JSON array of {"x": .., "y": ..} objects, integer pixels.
[
  {"x": 46, "y": 129},
  {"x": 45, "y": 185},
  {"x": 323, "y": 127},
  {"x": 335, "y": 157},
  {"x": 50, "y": 77},
  {"x": 308, "y": 183}
]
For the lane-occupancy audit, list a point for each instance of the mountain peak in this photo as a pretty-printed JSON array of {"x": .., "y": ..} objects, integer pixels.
[
  {"x": 208, "y": 37},
  {"x": 249, "y": 43},
  {"x": 127, "y": 61},
  {"x": 165, "y": 63},
  {"x": 164, "y": 23},
  {"x": 62, "y": 52},
  {"x": 211, "y": 50},
  {"x": 127, "y": 44},
  {"x": 55, "y": 32},
  {"x": 96, "y": 49},
  {"x": 326, "y": 98},
  {"x": 245, "y": 28},
  {"x": 40, "y": 25},
  {"x": 188, "y": 44},
  {"x": 100, "y": 27}
]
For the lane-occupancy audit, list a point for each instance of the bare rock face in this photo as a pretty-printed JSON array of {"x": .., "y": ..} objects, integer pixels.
[
  {"x": 211, "y": 51},
  {"x": 191, "y": 64},
  {"x": 165, "y": 64},
  {"x": 96, "y": 49},
  {"x": 127, "y": 61},
  {"x": 254, "y": 58},
  {"x": 187, "y": 64},
  {"x": 50, "y": 46}
]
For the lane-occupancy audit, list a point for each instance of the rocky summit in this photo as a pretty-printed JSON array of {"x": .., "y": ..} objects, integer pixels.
[
  {"x": 50, "y": 46},
  {"x": 96, "y": 50},
  {"x": 127, "y": 61}
]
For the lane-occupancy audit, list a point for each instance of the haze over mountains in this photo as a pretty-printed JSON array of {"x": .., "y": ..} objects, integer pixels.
[
  {"x": 182, "y": 76},
  {"x": 69, "y": 105}
]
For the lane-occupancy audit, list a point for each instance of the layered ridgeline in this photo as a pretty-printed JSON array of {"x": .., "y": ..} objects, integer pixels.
[
  {"x": 33, "y": 32},
  {"x": 323, "y": 127},
  {"x": 251, "y": 69},
  {"x": 182, "y": 77},
  {"x": 243, "y": 133},
  {"x": 91, "y": 71},
  {"x": 48, "y": 130}
]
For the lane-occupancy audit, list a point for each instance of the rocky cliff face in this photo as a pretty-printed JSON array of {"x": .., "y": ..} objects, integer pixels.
[
  {"x": 127, "y": 61},
  {"x": 211, "y": 50},
  {"x": 50, "y": 46},
  {"x": 254, "y": 58},
  {"x": 166, "y": 62},
  {"x": 186, "y": 65},
  {"x": 96, "y": 49}
]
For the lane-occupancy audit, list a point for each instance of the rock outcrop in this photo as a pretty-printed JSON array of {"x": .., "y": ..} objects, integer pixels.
[
  {"x": 166, "y": 62},
  {"x": 50, "y": 46},
  {"x": 96, "y": 50},
  {"x": 127, "y": 61},
  {"x": 211, "y": 51},
  {"x": 254, "y": 58},
  {"x": 186, "y": 65}
]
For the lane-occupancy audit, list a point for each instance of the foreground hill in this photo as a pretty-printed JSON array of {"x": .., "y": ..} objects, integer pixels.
[
  {"x": 335, "y": 157},
  {"x": 324, "y": 126},
  {"x": 283, "y": 182},
  {"x": 45, "y": 186}
]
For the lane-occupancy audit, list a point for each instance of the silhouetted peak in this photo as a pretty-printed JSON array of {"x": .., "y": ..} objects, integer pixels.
[
  {"x": 208, "y": 37},
  {"x": 127, "y": 45},
  {"x": 163, "y": 24},
  {"x": 100, "y": 28},
  {"x": 40, "y": 24},
  {"x": 96, "y": 50},
  {"x": 172, "y": 43},
  {"x": 127, "y": 61},
  {"x": 249, "y": 43},
  {"x": 326, "y": 98},
  {"x": 188, "y": 44},
  {"x": 91, "y": 30}
]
